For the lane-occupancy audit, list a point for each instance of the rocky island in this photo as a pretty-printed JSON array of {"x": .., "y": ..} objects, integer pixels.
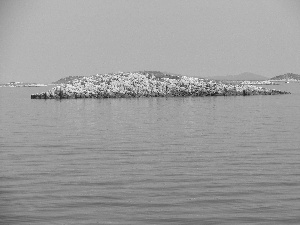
[{"x": 147, "y": 84}]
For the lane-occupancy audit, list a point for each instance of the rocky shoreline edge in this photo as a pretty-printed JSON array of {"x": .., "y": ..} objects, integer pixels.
[{"x": 133, "y": 85}]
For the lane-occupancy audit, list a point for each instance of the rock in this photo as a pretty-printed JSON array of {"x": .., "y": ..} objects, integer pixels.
[{"x": 125, "y": 85}]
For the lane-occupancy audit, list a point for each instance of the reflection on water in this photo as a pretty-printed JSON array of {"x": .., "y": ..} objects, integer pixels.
[{"x": 211, "y": 160}]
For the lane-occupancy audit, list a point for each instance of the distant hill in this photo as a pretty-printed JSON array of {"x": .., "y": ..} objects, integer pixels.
[
  {"x": 242, "y": 76},
  {"x": 287, "y": 76},
  {"x": 157, "y": 74},
  {"x": 66, "y": 80}
]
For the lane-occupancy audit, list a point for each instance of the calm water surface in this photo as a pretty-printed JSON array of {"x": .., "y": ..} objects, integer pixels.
[{"x": 195, "y": 160}]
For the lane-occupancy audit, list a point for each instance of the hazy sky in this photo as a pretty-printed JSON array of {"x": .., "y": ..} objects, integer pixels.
[{"x": 42, "y": 41}]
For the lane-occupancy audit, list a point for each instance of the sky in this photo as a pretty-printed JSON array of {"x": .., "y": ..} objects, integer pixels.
[{"x": 45, "y": 40}]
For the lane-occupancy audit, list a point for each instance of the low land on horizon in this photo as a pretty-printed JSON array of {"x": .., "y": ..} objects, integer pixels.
[
  {"x": 246, "y": 76},
  {"x": 22, "y": 84},
  {"x": 242, "y": 76}
]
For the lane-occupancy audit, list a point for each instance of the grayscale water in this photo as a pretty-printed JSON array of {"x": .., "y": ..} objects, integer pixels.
[{"x": 194, "y": 160}]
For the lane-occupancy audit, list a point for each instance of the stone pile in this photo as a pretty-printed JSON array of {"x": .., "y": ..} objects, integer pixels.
[{"x": 126, "y": 85}]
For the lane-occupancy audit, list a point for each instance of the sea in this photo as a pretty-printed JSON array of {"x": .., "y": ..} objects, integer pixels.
[{"x": 177, "y": 160}]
